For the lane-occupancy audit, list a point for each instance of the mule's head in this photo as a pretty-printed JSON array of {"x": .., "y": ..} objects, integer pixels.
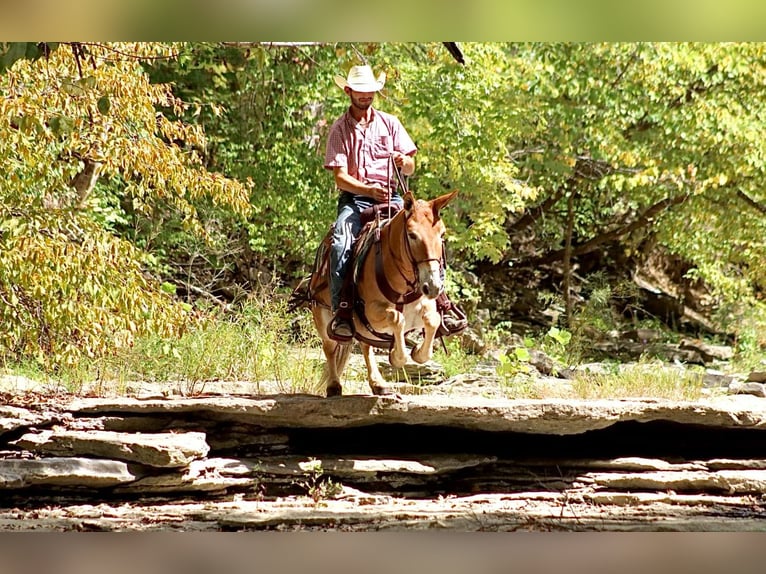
[{"x": 425, "y": 240}]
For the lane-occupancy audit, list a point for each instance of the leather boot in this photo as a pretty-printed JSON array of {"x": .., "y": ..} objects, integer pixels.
[
  {"x": 341, "y": 328},
  {"x": 454, "y": 320}
]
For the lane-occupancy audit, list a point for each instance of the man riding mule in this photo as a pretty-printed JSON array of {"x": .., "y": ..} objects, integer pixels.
[
  {"x": 365, "y": 148},
  {"x": 398, "y": 273},
  {"x": 395, "y": 284}
]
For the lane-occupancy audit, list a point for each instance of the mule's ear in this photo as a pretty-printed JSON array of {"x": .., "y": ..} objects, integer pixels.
[
  {"x": 438, "y": 203},
  {"x": 409, "y": 200}
]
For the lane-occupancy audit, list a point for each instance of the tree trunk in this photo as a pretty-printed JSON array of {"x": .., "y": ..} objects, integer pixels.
[
  {"x": 568, "y": 258},
  {"x": 85, "y": 181},
  {"x": 645, "y": 219}
]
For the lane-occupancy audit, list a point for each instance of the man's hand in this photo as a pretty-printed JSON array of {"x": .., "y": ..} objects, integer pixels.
[
  {"x": 377, "y": 193},
  {"x": 404, "y": 162}
]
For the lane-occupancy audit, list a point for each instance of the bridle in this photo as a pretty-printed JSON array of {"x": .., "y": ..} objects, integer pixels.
[{"x": 385, "y": 288}]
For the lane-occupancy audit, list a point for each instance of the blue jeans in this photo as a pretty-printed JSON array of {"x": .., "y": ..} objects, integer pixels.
[{"x": 347, "y": 226}]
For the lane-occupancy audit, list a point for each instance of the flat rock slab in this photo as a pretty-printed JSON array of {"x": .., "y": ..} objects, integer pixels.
[
  {"x": 361, "y": 467},
  {"x": 63, "y": 472},
  {"x": 201, "y": 476},
  {"x": 116, "y": 456},
  {"x": 13, "y": 418},
  {"x": 163, "y": 450},
  {"x": 546, "y": 416},
  {"x": 491, "y": 512},
  {"x": 528, "y": 511},
  {"x": 727, "y": 481}
]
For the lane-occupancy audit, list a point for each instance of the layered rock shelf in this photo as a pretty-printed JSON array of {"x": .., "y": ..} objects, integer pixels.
[{"x": 361, "y": 462}]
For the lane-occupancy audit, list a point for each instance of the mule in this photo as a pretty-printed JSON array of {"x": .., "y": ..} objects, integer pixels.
[{"x": 398, "y": 273}]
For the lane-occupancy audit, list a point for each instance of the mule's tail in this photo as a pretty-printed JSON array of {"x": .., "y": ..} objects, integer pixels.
[{"x": 342, "y": 355}]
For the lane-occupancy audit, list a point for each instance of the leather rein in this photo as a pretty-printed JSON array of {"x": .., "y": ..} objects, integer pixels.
[
  {"x": 385, "y": 340},
  {"x": 393, "y": 296}
]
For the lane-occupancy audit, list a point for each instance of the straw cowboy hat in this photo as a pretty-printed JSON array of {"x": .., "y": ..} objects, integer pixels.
[{"x": 361, "y": 79}]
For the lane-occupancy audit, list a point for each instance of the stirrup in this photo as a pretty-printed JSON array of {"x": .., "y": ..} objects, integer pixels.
[
  {"x": 453, "y": 322},
  {"x": 341, "y": 328}
]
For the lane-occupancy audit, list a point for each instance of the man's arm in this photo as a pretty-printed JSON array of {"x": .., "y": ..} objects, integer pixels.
[{"x": 347, "y": 182}]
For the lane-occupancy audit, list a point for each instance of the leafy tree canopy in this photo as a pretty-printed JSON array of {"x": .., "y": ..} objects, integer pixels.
[
  {"x": 204, "y": 162},
  {"x": 67, "y": 284}
]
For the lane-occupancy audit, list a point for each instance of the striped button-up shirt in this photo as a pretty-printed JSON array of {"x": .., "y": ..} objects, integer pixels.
[{"x": 365, "y": 152}]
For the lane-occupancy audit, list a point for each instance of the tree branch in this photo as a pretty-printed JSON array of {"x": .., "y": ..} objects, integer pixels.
[
  {"x": 643, "y": 220},
  {"x": 533, "y": 214},
  {"x": 207, "y": 295},
  {"x": 568, "y": 257},
  {"x": 85, "y": 181},
  {"x": 759, "y": 207},
  {"x": 631, "y": 60}
]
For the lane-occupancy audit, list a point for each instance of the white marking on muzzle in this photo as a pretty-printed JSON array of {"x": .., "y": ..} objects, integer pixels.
[{"x": 430, "y": 279}]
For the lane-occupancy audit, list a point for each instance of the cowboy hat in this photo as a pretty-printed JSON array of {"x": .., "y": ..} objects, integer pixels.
[{"x": 361, "y": 79}]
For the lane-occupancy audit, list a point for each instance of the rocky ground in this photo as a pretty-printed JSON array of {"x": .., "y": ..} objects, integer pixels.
[{"x": 453, "y": 454}]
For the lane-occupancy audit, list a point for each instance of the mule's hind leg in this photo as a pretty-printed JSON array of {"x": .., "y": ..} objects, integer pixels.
[
  {"x": 336, "y": 355},
  {"x": 330, "y": 377}
]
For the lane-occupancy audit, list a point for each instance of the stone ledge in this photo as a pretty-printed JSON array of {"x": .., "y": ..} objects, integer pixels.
[
  {"x": 163, "y": 450},
  {"x": 13, "y": 418},
  {"x": 547, "y": 416},
  {"x": 726, "y": 481},
  {"x": 69, "y": 472}
]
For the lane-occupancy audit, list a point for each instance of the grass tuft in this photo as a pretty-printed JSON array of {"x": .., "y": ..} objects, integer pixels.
[
  {"x": 639, "y": 380},
  {"x": 259, "y": 342}
]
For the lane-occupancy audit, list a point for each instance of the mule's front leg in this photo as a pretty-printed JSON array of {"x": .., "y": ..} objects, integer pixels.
[
  {"x": 397, "y": 356},
  {"x": 387, "y": 319},
  {"x": 377, "y": 383},
  {"x": 431, "y": 321}
]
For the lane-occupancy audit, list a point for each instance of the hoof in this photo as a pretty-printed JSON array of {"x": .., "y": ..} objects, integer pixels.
[
  {"x": 335, "y": 391},
  {"x": 386, "y": 390}
]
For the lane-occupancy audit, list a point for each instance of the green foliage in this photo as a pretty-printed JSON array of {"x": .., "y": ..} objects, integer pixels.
[
  {"x": 318, "y": 486},
  {"x": 560, "y": 337},
  {"x": 649, "y": 140},
  {"x": 254, "y": 343},
  {"x": 273, "y": 109},
  {"x": 209, "y": 164},
  {"x": 70, "y": 288},
  {"x": 11, "y": 52},
  {"x": 464, "y": 121},
  {"x": 514, "y": 363},
  {"x": 555, "y": 343},
  {"x": 749, "y": 317},
  {"x": 455, "y": 359},
  {"x": 654, "y": 139},
  {"x": 266, "y": 116}
]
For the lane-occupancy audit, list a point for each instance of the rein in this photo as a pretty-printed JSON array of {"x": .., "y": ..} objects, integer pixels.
[{"x": 393, "y": 296}]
